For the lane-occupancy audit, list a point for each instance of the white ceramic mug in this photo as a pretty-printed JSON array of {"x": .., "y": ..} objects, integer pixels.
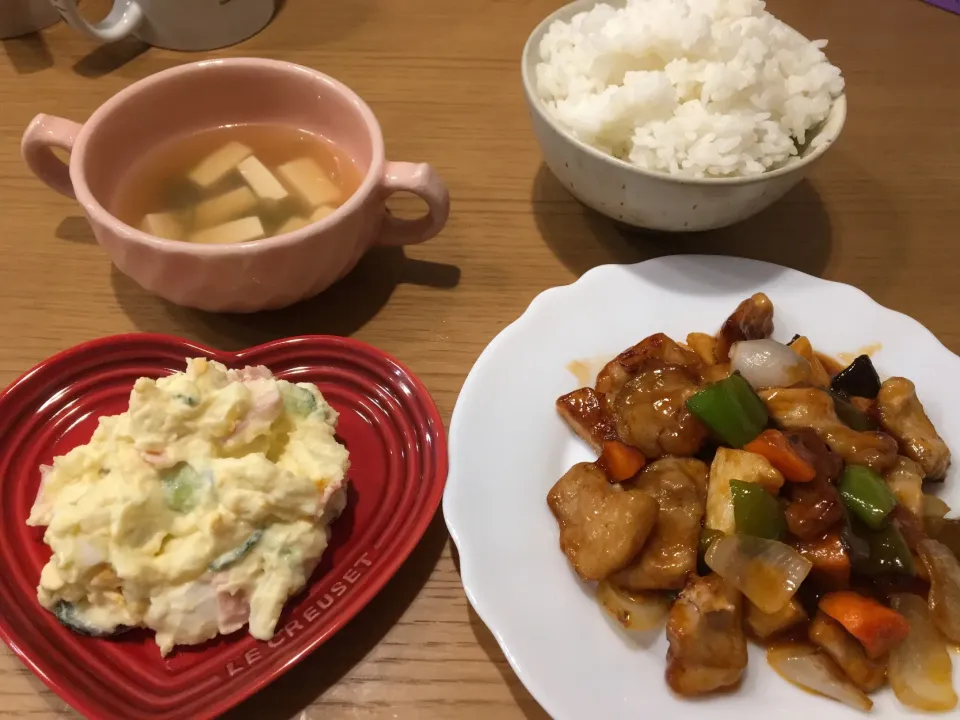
[
  {"x": 175, "y": 24},
  {"x": 21, "y": 17}
]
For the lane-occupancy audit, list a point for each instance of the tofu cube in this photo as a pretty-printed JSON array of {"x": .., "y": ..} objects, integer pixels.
[
  {"x": 217, "y": 166},
  {"x": 235, "y": 231},
  {"x": 310, "y": 182},
  {"x": 219, "y": 209},
  {"x": 294, "y": 223},
  {"x": 263, "y": 182},
  {"x": 321, "y": 212},
  {"x": 164, "y": 225}
]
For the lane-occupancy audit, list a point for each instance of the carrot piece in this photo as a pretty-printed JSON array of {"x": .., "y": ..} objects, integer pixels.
[
  {"x": 877, "y": 627},
  {"x": 620, "y": 461},
  {"x": 774, "y": 446},
  {"x": 831, "y": 562}
]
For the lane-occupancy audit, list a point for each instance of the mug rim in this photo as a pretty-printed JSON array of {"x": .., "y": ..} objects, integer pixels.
[{"x": 100, "y": 215}]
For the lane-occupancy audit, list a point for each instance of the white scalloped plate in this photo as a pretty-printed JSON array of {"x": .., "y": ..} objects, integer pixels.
[{"x": 508, "y": 447}]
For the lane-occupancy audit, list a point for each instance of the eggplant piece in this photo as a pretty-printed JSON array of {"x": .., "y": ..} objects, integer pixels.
[
  {"x": 67, "y": 614},
  {"x": 859, "y": 379}
]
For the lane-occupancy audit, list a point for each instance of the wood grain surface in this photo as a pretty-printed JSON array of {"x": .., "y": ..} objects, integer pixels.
[{"x": 882, "y": 212}]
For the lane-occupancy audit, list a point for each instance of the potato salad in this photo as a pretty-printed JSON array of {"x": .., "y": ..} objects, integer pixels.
[{"x": 201, "y": 509}]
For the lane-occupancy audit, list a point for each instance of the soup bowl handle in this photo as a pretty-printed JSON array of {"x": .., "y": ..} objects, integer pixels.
[
  {"x": 44, "y": 133},
  {"x": 421, "y": 180}
]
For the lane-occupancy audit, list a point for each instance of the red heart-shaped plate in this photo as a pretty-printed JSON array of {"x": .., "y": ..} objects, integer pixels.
[{"x": 398, "y": 468}]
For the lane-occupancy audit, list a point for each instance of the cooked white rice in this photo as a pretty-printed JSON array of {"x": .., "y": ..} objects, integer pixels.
[{"x": 698, "y": 88}]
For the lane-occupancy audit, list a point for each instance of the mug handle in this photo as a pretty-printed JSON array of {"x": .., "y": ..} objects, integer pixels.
[
  {"x": 421, "y": 180},
  {"x": 43, "y": 133},
  {"x": 123, "y": 19}
]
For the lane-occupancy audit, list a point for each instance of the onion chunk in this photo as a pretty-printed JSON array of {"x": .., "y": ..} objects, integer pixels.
[
  {"x": 635, "y": 611},
  {"x": 768, "y": 364},
  {"x": 768, "y": 572},
  {"x": 934, "y": 507},
  {"x": 920, "y": 670},
  {"x": 944, "y": 600},
  {"x": 807, "y": 667}
]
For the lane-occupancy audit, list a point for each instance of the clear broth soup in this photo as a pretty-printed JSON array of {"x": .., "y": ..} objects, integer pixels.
[{"x": 235, "y": 184}]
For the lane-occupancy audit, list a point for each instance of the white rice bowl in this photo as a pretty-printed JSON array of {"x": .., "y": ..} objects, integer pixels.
[{"x": 693, "y": 88}]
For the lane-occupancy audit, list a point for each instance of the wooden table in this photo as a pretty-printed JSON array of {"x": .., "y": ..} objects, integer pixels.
[{"x": 882, "y": 212}]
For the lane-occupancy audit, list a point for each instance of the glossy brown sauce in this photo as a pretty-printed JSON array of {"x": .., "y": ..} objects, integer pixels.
[
  {"x": 585, "y": 370},
  {"x": 868, "y": 350}
]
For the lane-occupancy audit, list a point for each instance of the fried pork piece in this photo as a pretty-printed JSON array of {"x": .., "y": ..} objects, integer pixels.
[
  {"x": 645, "y": 389},
  {"x": 848, "y": 653},
  {"x": 752, "y": 320},
  {"x": 905, "y": 480},
  {"x": 650, "y": 413},
  {"x": 708, "y": 650},
  {"x": 806, "y": 443},
  {"x": 581, "y": 411},
  {"x": 658, "y": 347},
  {"x": 795, "y": 408},
  {"x": 703, "y": 345},
  {"x": 679, "y": 485},
  {"x": 602, "y": 526},
  {"x": 902, "y": 415},
  {"x": 812, "y": 509}
]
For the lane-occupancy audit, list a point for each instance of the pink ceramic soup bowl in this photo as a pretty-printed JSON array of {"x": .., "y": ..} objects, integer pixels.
[{"x": 245, "y": 277}]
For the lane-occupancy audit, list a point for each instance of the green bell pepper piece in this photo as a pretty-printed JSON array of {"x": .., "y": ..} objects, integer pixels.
[
  {"x": 756, "y": 511},
  {"x": 889, "y": 553},
  {"x": 866, "y": 495},
  {"x": 856, "y": 543},
  {"x": 707, "y": 538},
  {"x": 877, "y": 552},
  {"x": 850, "y": 415},
  {"x": 731, "y": 409}
]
